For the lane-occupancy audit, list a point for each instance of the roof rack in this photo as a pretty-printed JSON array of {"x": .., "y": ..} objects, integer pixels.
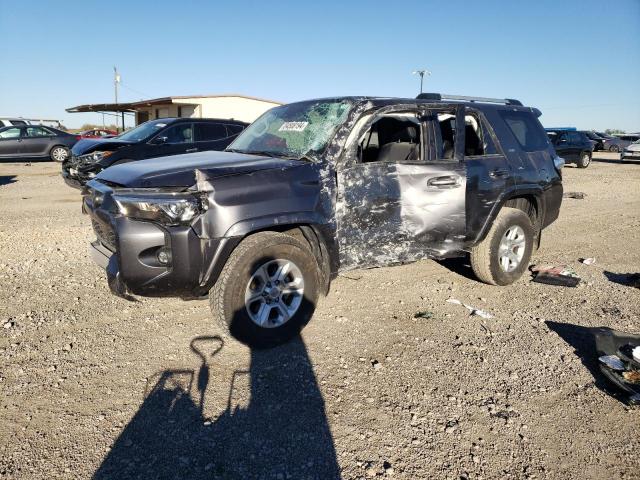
[{"x": 442, "y": 96}]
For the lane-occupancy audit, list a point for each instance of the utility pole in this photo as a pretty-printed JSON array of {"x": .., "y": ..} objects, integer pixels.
[
  {"x": 116, "y": 81},
  {"x": 421, "y": 73}
]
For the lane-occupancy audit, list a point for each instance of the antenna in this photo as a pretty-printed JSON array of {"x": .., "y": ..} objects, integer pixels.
[{"x": 421, "y": 73}]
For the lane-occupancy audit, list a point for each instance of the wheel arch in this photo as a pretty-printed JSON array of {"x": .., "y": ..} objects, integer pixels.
[
  {"x": 529, "y": 200},
  {"x": 305, "y": 227}
]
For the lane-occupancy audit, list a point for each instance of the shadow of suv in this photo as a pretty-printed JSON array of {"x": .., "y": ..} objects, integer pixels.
[
  {"x": 322, "y": 186},
  {"x": 155, "y": 138}
]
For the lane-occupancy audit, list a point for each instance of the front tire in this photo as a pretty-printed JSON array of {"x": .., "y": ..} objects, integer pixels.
[
  {"x": 503, "y": 256},
  {"x": 267, "y": 290},
  {"x": 59, "y": 153},
  {"x": 584, "y": 160}
]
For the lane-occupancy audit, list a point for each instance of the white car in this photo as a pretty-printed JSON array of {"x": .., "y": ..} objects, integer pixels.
[{"x": 631, "y": 152}]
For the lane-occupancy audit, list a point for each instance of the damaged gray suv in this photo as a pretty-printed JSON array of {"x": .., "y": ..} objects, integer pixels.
[{"x": 314, "y": 188}]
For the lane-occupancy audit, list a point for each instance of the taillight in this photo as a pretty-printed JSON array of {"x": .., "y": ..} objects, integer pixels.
[{"x": 78, "y": 137}]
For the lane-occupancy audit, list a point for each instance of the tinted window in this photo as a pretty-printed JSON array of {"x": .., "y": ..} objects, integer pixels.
[
  {"x": 526, "y": 129},
  {"x": 10, "y": 133},
  {"x": 36, "y": 132},
  {"x": 574, "y": 137},
  {"x": 206, "y": 132},
  {"x": 182, "y": 133},
  {"x": 17, "y": 122},
  {"x": 234, "y": 129}
]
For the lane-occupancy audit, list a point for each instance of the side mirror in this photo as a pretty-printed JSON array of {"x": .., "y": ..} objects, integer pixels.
[{"x": 159, "y": 140}]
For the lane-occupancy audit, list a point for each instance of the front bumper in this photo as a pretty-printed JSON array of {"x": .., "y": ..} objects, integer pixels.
[
  {"x": 128, "y": 250},
  {"x": 76, "y": 175},
  {"x": 631, "y": 155}
]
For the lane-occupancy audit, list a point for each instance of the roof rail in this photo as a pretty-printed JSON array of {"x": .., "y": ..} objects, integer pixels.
[{"x": 443, "y": 96}]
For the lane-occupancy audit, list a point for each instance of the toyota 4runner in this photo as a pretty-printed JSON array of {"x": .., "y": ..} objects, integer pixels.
[{"x": 314, "y": 188}]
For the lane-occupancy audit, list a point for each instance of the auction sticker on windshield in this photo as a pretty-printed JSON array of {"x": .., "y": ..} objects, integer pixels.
[{"x": 293, "y": 126}]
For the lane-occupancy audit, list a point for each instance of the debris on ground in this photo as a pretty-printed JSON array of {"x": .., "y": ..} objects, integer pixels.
[
  {"x": 576, "y": 195},
  {"x": 425, "y": 314},
  {"x": 561, "y": 275},
  {"x": 472, "y": 310},
  {"x": 618, "y": 362},
  {"x": 588, "y": 261},
  {"x": 612, "y": 361},
  {"x": 632, "y": 376}
]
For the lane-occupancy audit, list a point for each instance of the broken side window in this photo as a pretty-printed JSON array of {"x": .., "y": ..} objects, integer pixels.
[
  {"x": 477, "y": 138},
  {"x": 392, "y": 138}
]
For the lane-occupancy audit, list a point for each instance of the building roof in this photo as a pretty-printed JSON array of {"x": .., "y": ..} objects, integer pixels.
[{"x": 132, "y": 106}]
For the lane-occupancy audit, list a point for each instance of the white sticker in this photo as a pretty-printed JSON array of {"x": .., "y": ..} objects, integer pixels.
[{"x": 293, "y": 126}]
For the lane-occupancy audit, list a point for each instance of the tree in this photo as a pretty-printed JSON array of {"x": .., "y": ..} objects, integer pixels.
[{"x": 612, "y": 131}]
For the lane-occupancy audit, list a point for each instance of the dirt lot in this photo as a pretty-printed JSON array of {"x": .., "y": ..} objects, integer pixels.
[{"x": 94, "y": 385}]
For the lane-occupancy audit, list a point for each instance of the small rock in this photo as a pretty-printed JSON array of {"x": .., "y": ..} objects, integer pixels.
[{"x": 67, "y": 347}]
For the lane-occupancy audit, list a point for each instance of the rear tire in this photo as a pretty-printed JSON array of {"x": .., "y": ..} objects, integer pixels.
[
  {"x": 614, "y": 148},
  {"x": 584, "y": 160},
  {"x": 59, "y": 153},
  {"x": 503, "y": 256},
  {"x": 247, "y": 294}
]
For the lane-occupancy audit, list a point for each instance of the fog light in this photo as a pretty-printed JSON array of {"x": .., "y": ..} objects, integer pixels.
[{"x": 164, "y": 256}]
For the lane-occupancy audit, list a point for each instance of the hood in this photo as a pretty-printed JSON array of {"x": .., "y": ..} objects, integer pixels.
[
  {"x": 634, "y": 147},
  {"x": 88, "y": 145},
  {"x": 180, "y": 170}
]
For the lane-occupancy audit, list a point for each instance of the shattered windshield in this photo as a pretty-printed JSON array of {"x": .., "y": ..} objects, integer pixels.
[{"x": 295, "y": 130}]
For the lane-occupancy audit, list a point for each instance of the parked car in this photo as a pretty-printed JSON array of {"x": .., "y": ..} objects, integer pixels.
[
  {"x": 572, "y": 146},
  {"x": 9, "y": 122},
  {"x": 98, "y": 133},
  {"x": 631, "y": 152},
  {"x": 598, "y": 141},
  {"x": 617, "y": 143},
  {"x": 322, "y": 186},
  {"x": 36, "y": 141},
  {"x": 155, "y": 138}
]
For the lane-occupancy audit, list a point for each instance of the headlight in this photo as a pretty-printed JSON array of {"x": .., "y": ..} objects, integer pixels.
[
  {"x": 169, "y": 209},
  {"x": 558, "y": 162},
  {"x": 94, "y": 157}
]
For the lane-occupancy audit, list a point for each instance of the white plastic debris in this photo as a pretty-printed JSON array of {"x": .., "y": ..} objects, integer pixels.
[
  {"x": 588, "y": 261},
  {"x": 473, "y": 310},
  {"x": 636, "y": 354},
  {"x": 612, "y": 361}
]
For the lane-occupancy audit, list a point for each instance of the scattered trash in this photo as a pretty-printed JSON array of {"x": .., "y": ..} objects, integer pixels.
[
  {"x": 612, "y": 361},
  {"x": 622, "y": 367},
  {"x": 576, "y": 195},
  {"x": 632, "y": 376},
  {"x": 561, "y": 276},
  {"x": 472, "y": 310},
  {"x": 424, "y": 314},
  {"x": 588, "y": 261}
]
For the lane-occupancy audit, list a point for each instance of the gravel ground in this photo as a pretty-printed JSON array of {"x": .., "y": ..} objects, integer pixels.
[{"x": 97, "y": 386}]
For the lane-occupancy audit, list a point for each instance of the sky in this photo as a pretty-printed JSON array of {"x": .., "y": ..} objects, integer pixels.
[{"x": 578, "y": 61}]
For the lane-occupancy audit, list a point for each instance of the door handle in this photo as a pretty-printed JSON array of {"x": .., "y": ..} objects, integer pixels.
[
  {"x": 447, "y": 181},
  {"x": 191, "y": 150},
  {"x": 499, "y": 173}
]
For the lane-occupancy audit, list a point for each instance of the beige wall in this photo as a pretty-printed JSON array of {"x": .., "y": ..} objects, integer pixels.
[{"x": 237, "y": 108}]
